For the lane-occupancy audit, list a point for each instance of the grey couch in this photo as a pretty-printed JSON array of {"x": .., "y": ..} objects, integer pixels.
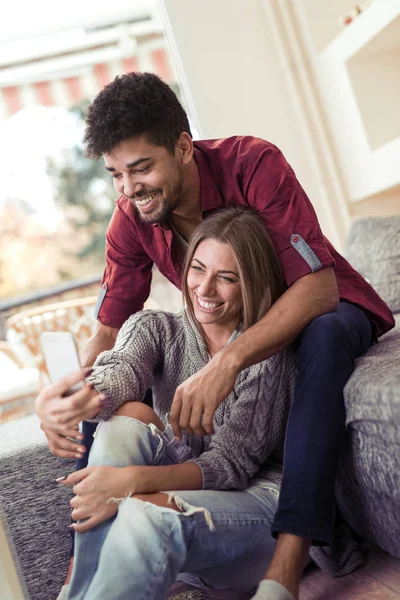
[{"x": 368, "y": 486}]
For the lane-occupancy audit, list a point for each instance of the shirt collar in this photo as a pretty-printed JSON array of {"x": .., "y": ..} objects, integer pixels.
[{"x": 210, "y": 196}]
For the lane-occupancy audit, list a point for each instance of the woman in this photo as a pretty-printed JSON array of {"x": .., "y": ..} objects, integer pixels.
[{"x": 133, "y": 539}]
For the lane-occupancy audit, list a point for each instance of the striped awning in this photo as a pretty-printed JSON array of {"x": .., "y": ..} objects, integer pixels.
[{"x": 69, "y": 86}]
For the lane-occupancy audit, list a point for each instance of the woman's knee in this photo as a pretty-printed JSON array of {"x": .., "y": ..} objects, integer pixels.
[
  {"x": 123, "y": 440},
  {"x": 141, "y": 412}
]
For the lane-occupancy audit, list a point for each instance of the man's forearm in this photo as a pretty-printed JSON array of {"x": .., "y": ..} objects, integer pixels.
[
  {"x": 308, "y": 298},
  {"x": 102, "y": 339}
]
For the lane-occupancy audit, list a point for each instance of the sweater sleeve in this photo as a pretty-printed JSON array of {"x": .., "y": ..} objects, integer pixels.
[
  {"x": 125, "y": 373},
  {"x": 254, "y": 423}
]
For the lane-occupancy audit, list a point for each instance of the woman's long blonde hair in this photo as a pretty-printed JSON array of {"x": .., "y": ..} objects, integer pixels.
[{"x": 259, "y": 270}]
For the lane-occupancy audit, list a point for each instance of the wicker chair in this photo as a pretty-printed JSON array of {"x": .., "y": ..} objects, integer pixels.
[
  {"x": 76, "y": 316},
  {"x": 24, "y": 328},
  {"x": 21, "y": 357},
  {"x": 24, "y": 349},
  {"x": 19, "y": 386}
]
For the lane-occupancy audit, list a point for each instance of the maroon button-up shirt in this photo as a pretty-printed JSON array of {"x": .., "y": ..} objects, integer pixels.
[{"x": 234, "y": 171}]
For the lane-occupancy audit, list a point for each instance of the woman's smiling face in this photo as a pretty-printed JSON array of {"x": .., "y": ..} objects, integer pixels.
[{"x": 214, "y": 285}]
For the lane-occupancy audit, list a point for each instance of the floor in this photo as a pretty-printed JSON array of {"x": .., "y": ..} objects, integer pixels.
[{"x": 378, "y": 579}]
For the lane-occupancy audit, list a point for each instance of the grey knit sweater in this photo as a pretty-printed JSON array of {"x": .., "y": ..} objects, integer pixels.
[{"x": 160, "y": 350}]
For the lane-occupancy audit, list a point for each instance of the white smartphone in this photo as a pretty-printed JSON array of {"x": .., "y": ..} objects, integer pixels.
[
  {"x": 61, "y": 354},
  {"x": 62, "y": 358}
]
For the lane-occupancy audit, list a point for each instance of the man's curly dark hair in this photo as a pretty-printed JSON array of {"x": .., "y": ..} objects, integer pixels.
[{"x": 134, "y": 104}]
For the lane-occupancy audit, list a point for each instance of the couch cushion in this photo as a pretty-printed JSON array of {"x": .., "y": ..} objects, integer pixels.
[
  {"x": 368, "y": 488},
  {"x": 36, "y": 509},
  {"x": 368, "y": 483},
  {"x": 372, "y": 394},
  {"x": 373, "y": 248}
]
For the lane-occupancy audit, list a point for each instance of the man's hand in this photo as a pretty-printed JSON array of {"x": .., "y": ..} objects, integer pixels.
[
  {"x": 60, "y": 415},
  {"x": 98, "y": 490},
  {"x": 197, "y": 398}
]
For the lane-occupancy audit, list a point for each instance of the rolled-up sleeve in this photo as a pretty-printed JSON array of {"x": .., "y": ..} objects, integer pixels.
[
  {"x": 127, "y": 278},
  {"x": 273, "y": 190}
]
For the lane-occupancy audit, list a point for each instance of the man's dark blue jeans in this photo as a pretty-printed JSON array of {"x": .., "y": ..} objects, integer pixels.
[{"x": 326, "y": 351}]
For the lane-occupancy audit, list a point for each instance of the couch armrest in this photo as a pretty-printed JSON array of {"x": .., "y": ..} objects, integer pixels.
[{"x": 36, "y": 508}]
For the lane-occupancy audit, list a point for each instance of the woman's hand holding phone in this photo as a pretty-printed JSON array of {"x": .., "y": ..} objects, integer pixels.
[{"x": 60, "y": 414}]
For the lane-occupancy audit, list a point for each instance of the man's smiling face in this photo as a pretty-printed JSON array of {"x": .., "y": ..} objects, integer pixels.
[{"x": 150, "y": 176}]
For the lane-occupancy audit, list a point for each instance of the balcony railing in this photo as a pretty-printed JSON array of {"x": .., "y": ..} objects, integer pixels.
[
  {"x": 19, "y": 389},
  {"x": 89, "y": 286}
]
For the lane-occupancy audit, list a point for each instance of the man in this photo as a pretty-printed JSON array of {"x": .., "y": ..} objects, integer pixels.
[{"x": 167, "y": 184}]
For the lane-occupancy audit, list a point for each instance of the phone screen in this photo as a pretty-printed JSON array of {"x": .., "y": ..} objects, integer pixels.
[
  {"x": 61, "y": 355},
  {"x": 62, "y": 358}
]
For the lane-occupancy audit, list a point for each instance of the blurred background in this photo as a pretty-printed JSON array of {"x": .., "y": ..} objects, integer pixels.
[
  {"x": 320, "y": 80},
  {"x": 54, "y": 203}
]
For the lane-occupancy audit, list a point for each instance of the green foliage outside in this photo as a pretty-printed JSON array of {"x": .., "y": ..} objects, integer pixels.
[{"x": 85, "y": 194}]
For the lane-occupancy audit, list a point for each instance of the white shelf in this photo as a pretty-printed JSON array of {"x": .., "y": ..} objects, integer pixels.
[
  {"x": 359, "y": 74},
  {"x": 364, "y": 29}
]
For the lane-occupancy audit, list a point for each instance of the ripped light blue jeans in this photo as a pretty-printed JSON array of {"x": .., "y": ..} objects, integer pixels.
[{"x": 220, "y": 539}]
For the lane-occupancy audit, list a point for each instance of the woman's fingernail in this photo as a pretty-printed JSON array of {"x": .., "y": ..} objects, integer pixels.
[
  {"x": 103, "y": 398},
  {"x": 71, "y": 526},
  {"x": 88, "y": 372},
  {"x": 59, "y": 479}
]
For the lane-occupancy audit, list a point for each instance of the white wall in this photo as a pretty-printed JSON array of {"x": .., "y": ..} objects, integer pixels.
[
  {"x": 368, "y": 122},
  {"x": 234, "y": 82},
  {"x": 324, "y": 19}
]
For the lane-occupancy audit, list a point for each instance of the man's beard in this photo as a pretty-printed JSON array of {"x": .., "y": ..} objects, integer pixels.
[
  {"x": 167, "y": 206},
  {"x": 162, "y": 215}
]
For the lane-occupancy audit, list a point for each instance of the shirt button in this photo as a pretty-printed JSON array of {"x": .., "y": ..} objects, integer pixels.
[
  {"x": 104, "y": 286},
  {"x": 295, "y": 239}
]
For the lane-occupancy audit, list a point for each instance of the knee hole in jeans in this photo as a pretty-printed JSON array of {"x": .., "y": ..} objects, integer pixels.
[{"x": 141, "y": 412}]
